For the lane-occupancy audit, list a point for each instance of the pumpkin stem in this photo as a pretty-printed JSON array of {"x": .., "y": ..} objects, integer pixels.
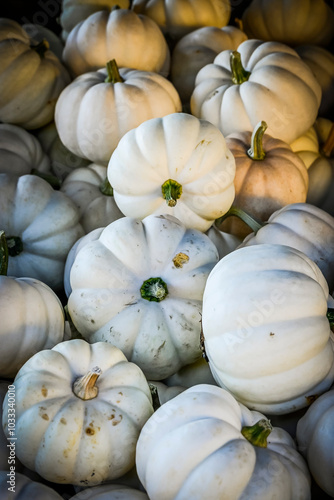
[
  {"x": 41, "y": 47},
  {"x": 106, "y": 188},
  {"x": 171, "y": 192},
  {"x": 239, "y": 74},
  {"x": 251, "y": 222},
  {"x": 239, "y": 24},
  {"x": 256, "y": 151},
  {"x": 155, "y": 396},
  {"x": 15, "y": 245},
  {"x": 84, "y": 387},
  {"x": 113, "y": 73},
  {"x": 257, "y": 434},
  {"x": 154, "y": 290},
  {"x": 3, "y": 254},
  {"x": 49, "y": 178},
  {"x": 330, "y": 317},
  {"x": 327, "y": 148}
]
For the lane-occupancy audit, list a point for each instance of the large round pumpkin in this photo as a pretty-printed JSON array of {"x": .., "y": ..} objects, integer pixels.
[{"x": 266, "y": 331}]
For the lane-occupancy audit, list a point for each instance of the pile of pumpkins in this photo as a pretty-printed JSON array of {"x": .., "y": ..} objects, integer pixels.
[{"x": 167, "y": 251}]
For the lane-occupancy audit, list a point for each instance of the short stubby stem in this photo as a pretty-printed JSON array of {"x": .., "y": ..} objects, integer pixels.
[
  {"x": 41, "y": 48},
  {"x": 113, "y": 75},
  {"x": 154, "y": 290},
  {"x": 171, "y": 192},
  {"x": 15, "y": 245},
  {"x": 106, "y": 188},
  {"x": 84, "y": 387},
  {"x": 257, "y": 434}
]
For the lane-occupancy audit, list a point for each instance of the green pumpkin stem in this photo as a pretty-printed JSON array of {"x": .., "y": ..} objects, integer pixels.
[
  {"x": 257, "y": 434},
  {"x": 113, "y": 73},
  {"x": 154, "y": 290},
  {"x": 239, "y": 73},
  {"x": 251, "y": 222},
  {"x": 49, "y": 178},
  {"x": 84, "y": 387},
  {"x": 327, "y": 148},
  {"x": 41, "y": 48},
  {"x": 106, "y": 188},
  {"x": 330, "y": 317},
  {"x": 171, "y": 192},
  {"x": 3, "y": 254},
  {"x": 256, "y": 151}
]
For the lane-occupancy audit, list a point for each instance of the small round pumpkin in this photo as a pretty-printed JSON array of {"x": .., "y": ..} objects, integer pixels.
[{"x": 88, "y": 404}]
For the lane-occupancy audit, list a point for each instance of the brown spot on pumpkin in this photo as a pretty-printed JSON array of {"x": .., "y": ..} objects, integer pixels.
[
  {"x": 63, "y": 421},
  {"x": 271, "y": 334},
  {"x": 65, "y": 453},
  {"x": 44, "y": 391},
  {"x": 45, "y": 416},
  {"x": 111, "y": 417},
  {"x": 89, "y": 431},
  {"x": 310, "y": 399},
  {"x": 116, "y": 422},
  {"x": 121, "y": 393},
  {"x": 180, "y": 259},
  {"x": 92, "y": 321}
]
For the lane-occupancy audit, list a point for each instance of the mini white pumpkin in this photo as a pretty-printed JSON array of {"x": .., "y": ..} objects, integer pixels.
[
  {"x": 178, "y": 165},
  {"x": 106, "y": 104},
  {"x": 314, "y": 435},
  {"x": 88, "y": 405},
  {"x": 133, "y": 40},
  {"x": 20, "y": 487},
  {"x": 41, "y": 225},
  {"x": 259, "y": 81},
  {"x": 139, "y": 286},
  {"x": 20, "y": 152},
  {"x": 204, "y": 444},
  {"x": 110, "y": 492},
  {"x": 92, "y": 193},
  {"x": 266, "y": 331}
]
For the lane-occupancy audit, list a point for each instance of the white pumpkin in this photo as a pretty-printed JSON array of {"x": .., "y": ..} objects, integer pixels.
[
  {"x": 32, "y": 319},
  {"x": 75, "y": 11},
  {"x": 102, "y": 111},
  {"x": 314, "y": 435},
  {"x": 110, "y": 492},
  {"x": 88, "y": 405},
  {"x": 193, "y": 374},
  {"x": 20, "y": 487},
  {"x": 40, "y": 224},
  {"x": 261, "y": 81},
  {"x": 225, "y": 242},
  {"x": 38, "y": 74},
  {"x": 267, "y": 336},
  {"x": 139, "y": 286},
  {"x": 91, "y": 192},
  {"x": 295, "y": 22},
  {"x": 176, "y": 18},
  {"x": 20, "y": 151},
  {"x": 133, "y": 40},
  {"x": 305, "y": 227},
  {"x": 204, "y": 444},
  {"x": 195, "y": 50},
  {"x": 178, "y": 165}
]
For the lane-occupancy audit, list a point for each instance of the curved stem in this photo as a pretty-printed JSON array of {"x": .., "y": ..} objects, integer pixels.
[
  {"x": 84, "y": 387},
  {"x": 256, "y": 151},
  {"x": 154, "y": 289},
  {"x": 41, "y": 47},
  {"x": 171, "y": 192},
  {"x": 239, "y": 74},
  {"x": 3, "y": 254},
  {"x": 251, "y": 222},
  {"x": 328, "y": 147},
  {"x": 257, "y": 434},
  {"x": 113, "y": 73},
  {"x": 106, "y": 188}
]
